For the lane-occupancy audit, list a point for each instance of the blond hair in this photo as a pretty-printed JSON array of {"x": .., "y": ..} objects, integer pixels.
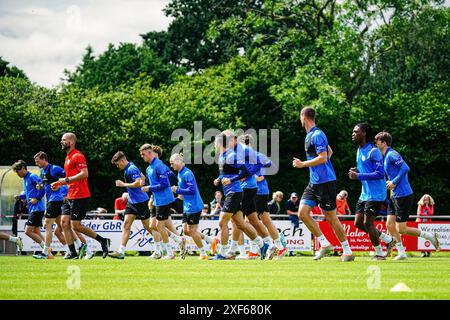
[
  {"x": 177, "y": 157},
  {"x": 277, "y": 194},
  {"x": 421, "y": 201}
]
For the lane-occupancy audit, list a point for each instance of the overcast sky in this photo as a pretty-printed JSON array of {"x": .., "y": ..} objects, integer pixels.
[{"x": 45, "y": 37}]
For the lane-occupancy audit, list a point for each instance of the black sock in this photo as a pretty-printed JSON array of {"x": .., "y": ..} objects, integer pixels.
[
  {"x": 100, "y": 238},
  {"x": 72, "y": 249}
]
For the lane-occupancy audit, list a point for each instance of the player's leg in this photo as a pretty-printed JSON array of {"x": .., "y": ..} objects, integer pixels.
[
  {"x": 59, "y": 231},
  {"x": 224, "y": 219},
  {"x": 16, "y": 240},
  {"x": 235, "y": 234},
  {"x": 274, "y": 234},
  {"x": 175, "y": 235},
  {"x": 130, "y": 216},
  {"x": 162, "y": 215},
  {"x": 250, "y": 232},
  {"x": 369, "y": 220},
  {"x": 191, "y": 226},
  {"x": 392, "y": 228},
  {"x": 157, "y": 253}
]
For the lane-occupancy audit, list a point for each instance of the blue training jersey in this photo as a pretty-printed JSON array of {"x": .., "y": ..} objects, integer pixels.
[
  {"x": 29, "y": 186},
  {"x": 51, "y": 173},
  {"x": 369, "y": 162},
  {"x": 131, "y": 174},
  {"x": 234, "y": 168},
  {"x": 316, "y": 142},
  {"x": 159, "y": 183},
  {"x": 187, "y": 186},
  {"x": 263, "y": 186},
  {"x": 397, "y": 172}
]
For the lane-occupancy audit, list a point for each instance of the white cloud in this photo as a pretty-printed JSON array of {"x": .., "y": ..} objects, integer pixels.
[{"x": 44, "y": 40}]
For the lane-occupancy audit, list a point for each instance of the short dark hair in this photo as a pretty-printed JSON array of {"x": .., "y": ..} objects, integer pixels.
[
  {"x": 18, "y": 165},
  {"x": 309, "y": 112},
  {"x": 367, "y": 129},
  {"x": 118, "y": 156},
  {"x": 41, "y": 155},
  {"x": 384, "y": 136}
]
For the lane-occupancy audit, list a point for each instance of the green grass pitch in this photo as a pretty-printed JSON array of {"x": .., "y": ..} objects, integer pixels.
[{"x": 290, "y": 278}]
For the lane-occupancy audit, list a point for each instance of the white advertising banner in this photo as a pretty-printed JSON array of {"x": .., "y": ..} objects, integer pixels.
[
  {"x": 297, "y": 239},
  {"x": 443, "y": 230}
]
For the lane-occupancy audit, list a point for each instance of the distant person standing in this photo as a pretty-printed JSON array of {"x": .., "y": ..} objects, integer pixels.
[
  {"x": 119, "y": 206},
  {"x": 341, "y": 203},
  {"x": 292, "y": 209},
  {"x": 425, "y": 208},
  {"x": 76, "y": 206}
]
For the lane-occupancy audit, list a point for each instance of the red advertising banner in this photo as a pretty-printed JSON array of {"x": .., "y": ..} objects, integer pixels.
[{"x": 359, "y": 240}]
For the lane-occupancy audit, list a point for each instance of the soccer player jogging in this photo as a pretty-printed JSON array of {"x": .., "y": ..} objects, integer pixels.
[
  {"x": 162, "y": 194},
  {"x": 75, "y": 208},
  {"x": 322, "y": 186},
  {"x": 232, "y": 169},
  {"x": 261, "y": 200},
  {"x": 369, "y": 170},
  {"x": 137, "y": 205},
  {"x": 401, "y": 202},
  {"x": 49, "y": 174},
  {"x": 192, "y": 202},
  {"x": 34, "y": 195}
]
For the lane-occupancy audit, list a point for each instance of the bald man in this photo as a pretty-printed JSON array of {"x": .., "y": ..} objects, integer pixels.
[{"x": 74, "y": 210}]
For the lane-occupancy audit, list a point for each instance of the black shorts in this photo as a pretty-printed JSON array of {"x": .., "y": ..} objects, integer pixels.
[
  {"x": 153, "y": 212},
  {"x": 401, "y": 207},
  {"x": 261, "y": 203},
  {"x": 76, "y": 208},
  {"x": 323, "y": 194},
  {"x": 35, "y": 219},
  {"x": 140, "y": 210},
  {"x": 249, "y": 201},
  {"x": 54, "y": 209},
  {"x": 191, "y": 218},
  {"x": 232, "y": 203},
  {"x": 163, "y": 212},
  {"x": 369, "y": 208}
]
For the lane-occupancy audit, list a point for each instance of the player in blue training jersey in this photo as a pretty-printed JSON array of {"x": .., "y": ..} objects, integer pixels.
[
  {"x": 322, "y": 186},
  {"x": 261, "y": 200},
  {"x": 137, "y": 205},
  {"x": 401, "y": 201},
  {"x": 192, "y": 202},
  {"x": 370, "y": 172},
  {"x": 35, "y": 201},
  {"x": 232, "y": 169}
]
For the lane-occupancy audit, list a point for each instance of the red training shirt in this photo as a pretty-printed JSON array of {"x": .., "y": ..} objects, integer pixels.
[{"x": 75, "y": 161}]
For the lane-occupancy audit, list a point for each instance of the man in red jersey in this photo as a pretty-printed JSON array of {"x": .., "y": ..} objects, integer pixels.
[{"x": 74, "y": 210}]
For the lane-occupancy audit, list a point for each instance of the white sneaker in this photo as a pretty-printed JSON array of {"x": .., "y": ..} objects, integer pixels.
[
  {"x": 155, "y": 256},
  {"x": 435, "y": 241},
  {"x": 242, "y": 257},
  {"x": 67, "y": 255},
  {"x": 230, "y": 255},
  {"x": 323, "y": 252},
  {"x": 89, "y": 255},
  {"x": 171, "y": 257},
  {"x": 271, "y": 252},
  {"x": 401, "y": 257}
]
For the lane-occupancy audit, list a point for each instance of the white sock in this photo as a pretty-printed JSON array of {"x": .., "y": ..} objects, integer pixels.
[
  {"x": 202, "y": 251},
  {"x": 278, "y": 244},
  {"x": 175, "y": 238},
  {"x": 208, "y": 239},
  {"x": 323, "y": 241},
  {"x": 121, "y": 249},
  {"x": 400, "y": 248},
  {"x": 268, "y": 240},
  {"x": 77, "y": 243},
  {"x": 67, "y": 248},
  {"x": 46, "y": 250},
  {"x": 12, "y": 239},
  {"x": 158, "y": 247},
  {"x": 42, "y": 245},
  {"x": 379, "y": 251},
  {"x": 204, "y": 243},
  {"x": 223, "y": 249},
  {"x": 234, "y": 246},
  {"x": 385, "y": 237},
  {"x": 258, "y": 241},
  {"x": 346, "y": 248},
  {"x": 242, "y": 250},
  {"x": 426, "y": 235},
  {"x": 88, "y": 250},
  {"x": 168, "y": 248},
  {"x": 253, "y": 248}
]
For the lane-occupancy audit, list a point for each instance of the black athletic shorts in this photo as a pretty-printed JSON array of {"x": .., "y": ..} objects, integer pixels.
[
  {"x": 323, "y": 194},
  {"x": 261, "y": 203},
  {"x": 76, "y": 208},
  {"x": 369, "y": 208},
  {"x": 140, "y": 210},
  {"x": 163, "y": 212},
  {"x": 153, "y": 212},
  {"x": 249, "y": 201},
  {"x": 35, "y": 219},
  {"x": 191, "y": 218},
  {"x": 54, "y": 209},
  {"x": 401, "y": 207},
  {"x": 233, "y": 202}
]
